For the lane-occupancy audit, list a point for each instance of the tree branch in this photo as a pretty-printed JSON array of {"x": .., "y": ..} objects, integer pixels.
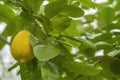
[{"x": 4, "y": 40}]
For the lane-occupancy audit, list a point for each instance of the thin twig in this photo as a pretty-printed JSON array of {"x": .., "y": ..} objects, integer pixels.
[
  {"x": 41, "y": 27},
  {"x": 105, "y": 59},
  {"x": 65, "y": 43},
  {"x": 12, "y": 67},
  {"x": 4, "y": 40}
]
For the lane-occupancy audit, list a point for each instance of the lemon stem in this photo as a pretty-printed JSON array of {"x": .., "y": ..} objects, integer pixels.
[{"x": 13, "y": 66}]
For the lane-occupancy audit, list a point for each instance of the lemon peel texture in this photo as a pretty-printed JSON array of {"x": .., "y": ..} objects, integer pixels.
[{"x": 21, "y": 48}]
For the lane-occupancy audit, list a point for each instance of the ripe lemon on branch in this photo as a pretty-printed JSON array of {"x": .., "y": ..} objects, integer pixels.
[{"x": 21, "y": 48}]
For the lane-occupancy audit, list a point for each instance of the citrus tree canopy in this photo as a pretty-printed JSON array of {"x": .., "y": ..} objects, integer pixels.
[{"x": 63, "y": 39}]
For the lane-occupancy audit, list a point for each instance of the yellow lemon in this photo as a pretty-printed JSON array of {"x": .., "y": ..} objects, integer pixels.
[{"x": 21, "y": 48}]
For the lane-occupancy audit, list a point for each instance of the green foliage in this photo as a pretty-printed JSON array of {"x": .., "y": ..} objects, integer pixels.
[
  {"x": 33, "y": 5},
  {"x": 63, "y": 23},
  {"x": 87, "y": 3},
  {"x": 103, "y": 45},
  {"x": 45, "y": 52},
  {"x": 72, "y": 11},
  {"x": 115, "y": 67},
  {"x": 54, "y": 8},
  {"x": 50, "y": 71},
  {"x": 108, "y": 15},
  {"x": 30, "y": 71},
  {"x": 66, "y": 41},
  {"x": 6, "y": 13},
  {"x": 80, "y": 68}
]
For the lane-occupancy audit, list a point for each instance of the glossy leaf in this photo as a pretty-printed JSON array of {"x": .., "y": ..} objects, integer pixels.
[
  {"x": 72, "y": 30},
  {"x": 30, "y": 71},
  {"x": 87, "y": 3},
  {"x": 103, "y": 45},
  {"x": 50, "y": 71},
  {"x": 81, "y": 68},
  {"x": 54, "y": 8},
  {"x": 46, "y": 23},
  {"x": 114, "y": 53},
  {"x": 33, "y": 40},
  {"x": 6, "y": 13},
  {"x": 71, "y": 39},
  {"x": 33, "y": 5},
  {"x": 85, "y": 42},
  {"x": 60, "y": 23},
  {"x": 18, "y": 23},
  {"x": 107, "y": 15},
  {"x": 11, "y": 27},
  {"x": 45, "y": 52},
  {"x": 72, "y": 11}
]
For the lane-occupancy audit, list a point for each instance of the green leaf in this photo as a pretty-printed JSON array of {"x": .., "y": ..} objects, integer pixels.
[
  {"x": 30, "y": 71},
  {"x": 97, "y": 77},
  {"x": 46, "y": 23},
  {"x": 107, "y": 15},
  {"x": 102, "y": 37},
  {"x": 72, "y": 11},
  {"x": 6, "y": 13},
  {"x": 85, "y": 42},
  {"x": 33, "y": 5},
  {"x": 72, "y": 30},
  {"x": 110, "y": 1},
  {"x": 114, "y": 53},
  {"x": 118, "y": 5},
  {"x": 80, "y": 68},
  {"x": 103, "y": 45},
  {"x": 115, "y": 67},
  {"x": 60, "y": 23},
  {"x": 26, "y": 19},
  {"x": 54, "y": 8},
  {"x": 52, "y": 0},
  {"x": 84, "y": 28},
  {"x": 33, "y": 40},
  {"x": 18, "y": 23},
  {"x": 11, "y": 27},
  {"x": 37, "y": 32},
  {"x": 87, "y": 3},
  {"x": 89, "y": 18},
  {"x": 45, "y": 52},
  {"x": 64, "y": 54},
  {"x": 106, "y": 66},
  {"x": 50, "y": 71},
  {"x": 76, "y": 3}
]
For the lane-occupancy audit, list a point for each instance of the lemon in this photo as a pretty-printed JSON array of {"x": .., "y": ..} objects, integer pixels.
[{"x": 21, "y": 48}]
